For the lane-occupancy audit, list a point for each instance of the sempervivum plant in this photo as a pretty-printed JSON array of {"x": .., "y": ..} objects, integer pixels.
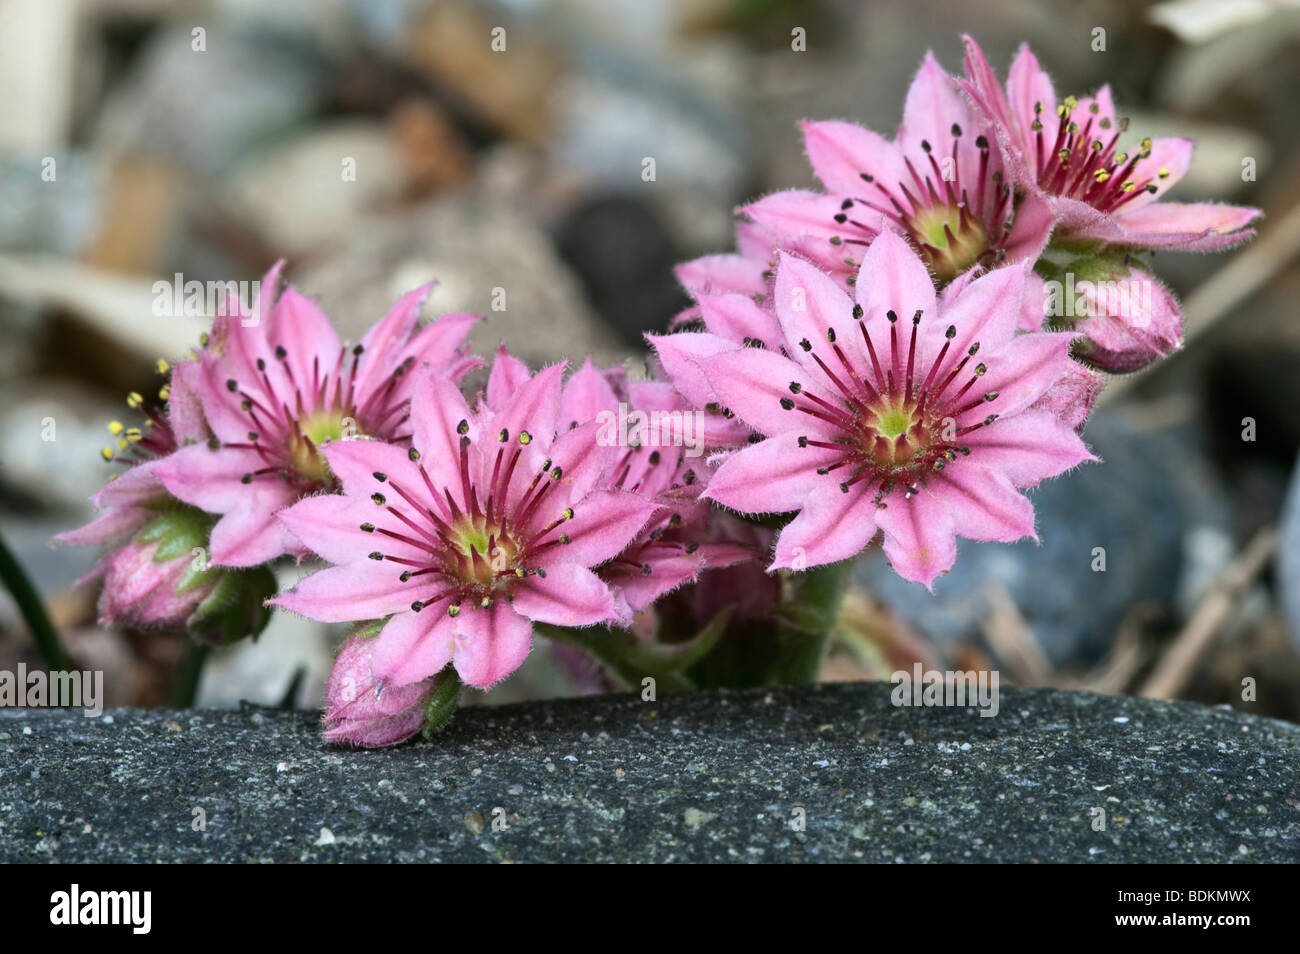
[{"x": 895, "y": 357}]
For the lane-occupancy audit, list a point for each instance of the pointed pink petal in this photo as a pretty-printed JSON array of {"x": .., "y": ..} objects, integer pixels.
[
  {"x": 356, "y": 462},
  {"x": 390, "y": 333},
  {"x": 812, "y": 307},
  {"x": 1170, "y": 158},
  {"x": 892, "y": 277},
  {"x": 719, "y": 274},
  {"x": 984, "y": 86},
  {"x": 982, "y": 503},
  {"x": 1028, "y": 84},
  {"x": 413, "y": 646},
  {"x": 490, "y": 643},
  {"x": 107, "y": 526},
  {"x": 752, "y": 383},
  {"x": 1030, "y": 230},
  {"x": 582, "y": 460},
  {"x": 841, "y": 152},
  {"x": 342, "y": 594},
  {"x": 1191, "y": 227},
  {"x": 437, "y": 408},
  {"x": 330, "y": 526},
  {"x": 933, "y": 105},
  {"x": 585, "y": 395},
  {"x": 809, "y": 216},
  {"x": 920, "y": 539},
  {"x": 569, "y": 595},
  {"x": 681, "y": 355},
  {"x": 305, "y": 332},
  {"x": 832, "y": 526},
  {"x": 1027, "y": 449},
  {"x": 184, "y": 403},
  {"x": 737, "y": 317},
  {"x": 1071, "y": 398},
  {"x": 669, "y": 569},
  {"x": 602, "y": 526},
  {"x": 250, "y": 534},
  {"x": 533, "y": 407},
  {"x": 1020, "y": 373},
  {"x": 212, "y": 480},
  {"x": 987, "y": 311},
  {"x": 772, "y": 476},
  {"x": 508, "y": 375}
]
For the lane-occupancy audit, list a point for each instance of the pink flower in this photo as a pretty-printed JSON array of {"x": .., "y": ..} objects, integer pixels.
[
  {"x": 658, "y": 444},
  {"x": 361, "y": 710},
  {"x": 901, "y": 412},
  {"x": 491, "y": 519},
  {"x": 1068, "y": 152},
  {"x": 938, "y": 182},
  {"x": 278, "y": 386}
]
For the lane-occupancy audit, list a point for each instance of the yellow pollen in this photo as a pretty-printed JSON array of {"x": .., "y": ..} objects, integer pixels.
[{"x": 115, "y": 428}]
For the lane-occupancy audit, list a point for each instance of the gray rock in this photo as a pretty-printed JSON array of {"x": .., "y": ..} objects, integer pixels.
[
  {"x": 702, "y": 777},
  {"x": 1288, "y": 559},
  {"x": 483, "y": 253}
]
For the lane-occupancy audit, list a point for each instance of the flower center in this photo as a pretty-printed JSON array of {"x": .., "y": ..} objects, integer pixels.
[
  {"x": 956, "y": 217},
  {"x": 950, "y": 240},
  {"x": 898, "y": 421},
  {"x": 313, "y": 432},
  {"x": 1082, "y": 162}
]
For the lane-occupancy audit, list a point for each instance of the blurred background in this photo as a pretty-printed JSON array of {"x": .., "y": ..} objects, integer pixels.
[{"x": 140, "y": 139}]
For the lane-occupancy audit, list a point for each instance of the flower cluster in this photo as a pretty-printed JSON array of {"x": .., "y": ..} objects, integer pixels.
[{"x": 898, "y": 356}]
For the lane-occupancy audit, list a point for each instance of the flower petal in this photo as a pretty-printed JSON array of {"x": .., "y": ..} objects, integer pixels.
[
  {"x": 841, "y": 152},
  {"x": 1029, "y": 448},
  {"x": 982, "y": 503},
  {"x": 832, "y": 526},
  {"x": 920, "y": 539},
  {"x": 772, "y": 476},
  {"x": 490, "y": 643},
  {"x": 413, "y": 646},
  {"x": 342, "y": 594},
  {"x": 569, "y": 595}
]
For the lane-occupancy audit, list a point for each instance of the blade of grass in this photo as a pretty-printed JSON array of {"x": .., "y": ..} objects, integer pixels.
[{"x": 33, "y": 609}]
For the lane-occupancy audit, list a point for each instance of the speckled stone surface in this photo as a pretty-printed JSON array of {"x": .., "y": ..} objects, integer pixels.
[{"x": 705, "y": 777}]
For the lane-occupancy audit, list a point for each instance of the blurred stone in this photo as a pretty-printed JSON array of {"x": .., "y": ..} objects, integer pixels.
[
  {"x": 1138, "y": 504},
  {"x": 52, "y": 433},
  {"x": 452, "y": 42},
  {"x": 58, "y": 216},
  {"x": 317, "y": 188},
  {"x": 210, "y": 109},
  {"x": 620, "y": 249},
  {"x": 1288, "y": 559},
  {"x": 38, "y": 72},
  {"x": 483, "y": 253}
]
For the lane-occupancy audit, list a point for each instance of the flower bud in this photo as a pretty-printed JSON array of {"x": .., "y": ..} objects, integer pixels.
[
  {"x": 160, "y": 578},
  {"x": 362, "y": 711},
  {"x": 1125, "y": 317}
]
